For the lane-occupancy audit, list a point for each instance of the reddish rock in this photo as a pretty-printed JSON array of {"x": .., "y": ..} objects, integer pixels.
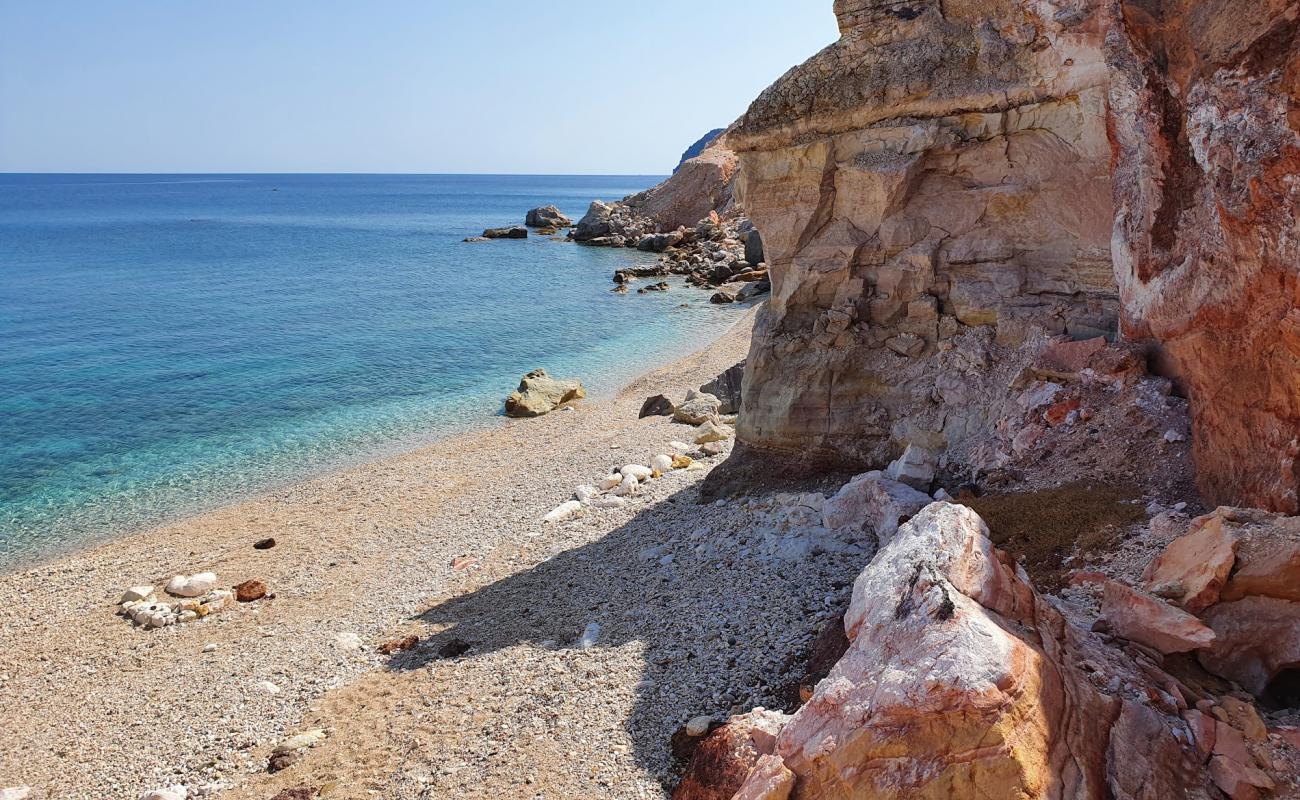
[
  {"x": 1066, "y": 359},
  {"x": 723, "y": 761},
  {"x": 462, "y": 563},
  {"x": 1057, "y": 413},
  {"x": 960, "y": 681},
  {"x": 399, "y": 645},
  {"x": 1239, "y": 781},
  {"x": 1268, "y": 561},
  {"x": 1195, "y": 567},
  {"x": 1203, "y": 731},
  {"x": 251, "y": 590},
  {"x": 1151, "y": 621},
  {"x": 768, "y": 780},
  {"x": 1205, "y": 132},
  {"x": 1256, "y": 640}
]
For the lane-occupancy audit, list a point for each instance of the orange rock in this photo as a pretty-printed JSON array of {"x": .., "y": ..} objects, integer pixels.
[
  {"x": 768, "y": 780},
  {"x": 248, "y": 591},
  {"x": 1197, "y": 564},
  {"x": 1203, "y": 731},
  {"x": 1239, "y": 781},
  {"x": 1150, "y": 621},
  {"x": 399, "y": 645}
]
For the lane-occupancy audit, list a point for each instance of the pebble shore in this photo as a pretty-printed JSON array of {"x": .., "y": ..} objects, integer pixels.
[{"x": 556, "y": 660}]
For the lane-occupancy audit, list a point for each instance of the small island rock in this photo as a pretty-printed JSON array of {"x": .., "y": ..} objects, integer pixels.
[
  {"x": 539, "y": 394},
  {"x": 547, "y": 217}
]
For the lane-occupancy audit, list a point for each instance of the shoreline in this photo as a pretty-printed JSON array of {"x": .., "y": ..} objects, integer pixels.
[
  {"x": 359, "y": 551},
  {"x": 391, "y": 450}
]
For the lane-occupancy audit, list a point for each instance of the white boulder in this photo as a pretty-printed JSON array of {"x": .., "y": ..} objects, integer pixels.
[
  {"x": 129, "y": 596},
  {"x": 697, "y": 408},
  {"x": 873, "y": 501},
  {"x": 170, "y": 793},
  {"x": 662, "y": 463},
  {"x": 15, "y": 793},
  {"x": 192, "y": 585},
  {"x": 637, "y": 471},
  {"x": 585, "y": 494},
  {"x": 628, "y": 487},
  {"x": 564, "y": 512},
  {"x": 916, "y": 468},
  {"x": 609, "y": 482},
  {"x": 608, "y": 502}
]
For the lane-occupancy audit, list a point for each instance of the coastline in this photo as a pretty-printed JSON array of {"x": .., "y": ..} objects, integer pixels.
[
  {"x": 42, "y": 555},
  {"x": 358, "y": 551}
]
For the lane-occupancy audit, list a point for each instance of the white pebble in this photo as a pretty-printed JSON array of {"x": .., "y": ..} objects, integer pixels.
[
  {"x": 563, "y": 512},
  {"x": 589, "y": 636},
  {"x": 662, "y": 464},
  {"x": 641, "y": 473}
]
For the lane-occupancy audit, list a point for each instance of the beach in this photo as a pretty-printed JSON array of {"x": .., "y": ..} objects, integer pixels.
[{"x": 93, "y": 707}]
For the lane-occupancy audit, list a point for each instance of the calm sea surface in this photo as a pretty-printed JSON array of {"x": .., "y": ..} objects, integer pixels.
[{"x": 170, "y": 342}]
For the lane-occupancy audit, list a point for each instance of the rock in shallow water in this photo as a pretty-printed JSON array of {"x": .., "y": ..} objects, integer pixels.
[{"x": 539, "y": 394}]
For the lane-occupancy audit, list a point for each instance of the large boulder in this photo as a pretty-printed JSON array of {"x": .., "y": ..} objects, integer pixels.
[
  {"x": 874, "y": 503},
  {"x": 539, "y": 394},
  {"x": 547, "y": 217},
  {"x": 1206, "y": 134},
  {"x": 697, "y": 409},
  {"x": 720, "y": 764},
  {"x": 727, "y": 388},
  {"x": 595, "y": 223},
  {"x": 960, "y": 681}
]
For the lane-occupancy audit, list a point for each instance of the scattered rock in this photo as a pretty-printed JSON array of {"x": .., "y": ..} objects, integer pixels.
[
  {"x": 1197, "y": 565},
  {"x": 873, "y": 501},
  {"x": 564, "y": 512},
  {"x": 697, "y": 409},
  {"x": 264, "y": 544},
  {"x": 547, "y": 217},
  {"x": 657, "y": 406},
  {"x": 454, "y": 648},
  {"x": 149, "y": 613},
  {"x": 475, "y": 239},
  {"x": 282, "y": 761},
  {"x": 512, "y": 232},
  {"x": 662, "y": 464},
  {"x": 628, "y": 487},
  {"x": 682, "y": 461},
  {"x": 1152, "y": 622},
  {"x": 462, "y": 563},
  {"x": 250, "y": 590},
  {"x": 347, "y": 641},
  {"x": 906, "y": 344},
  {"x": 136, "y": 593},
  {"x": 399, "y": 645},
  {"x": 699, "y": 726},
  {"x": 711, "y": 431},
  {"x": 915, "y": 468},
  {"x": 710, "y": 449},
  {"x": 590, "y": 635},
  {"x": 721, "y": 763},
  {"x": 661, "y": 286},
  {"x": 170, "y": 793},
  {"x": 268, "y": 687},
  {"x": 605, "y": 503},
  {"x": 192, "y": 585},
  {"x": 301, "y": 741},
  {"x": 727, "y": 388},
  {"x": 641, "y": 473},
  {"x": 539, "y": 394},
  {"x": 299, "y": 793},
  {"x": 15, "y": 793}
]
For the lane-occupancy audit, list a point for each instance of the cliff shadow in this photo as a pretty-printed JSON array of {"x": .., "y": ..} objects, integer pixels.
[{"x": 721, "y": 627}]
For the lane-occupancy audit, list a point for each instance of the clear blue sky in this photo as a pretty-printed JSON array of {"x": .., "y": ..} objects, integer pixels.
[{"x": 384, "y": 85}]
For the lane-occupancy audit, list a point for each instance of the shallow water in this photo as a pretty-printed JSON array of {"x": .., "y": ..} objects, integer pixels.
[{"x": 171, "y": 343}]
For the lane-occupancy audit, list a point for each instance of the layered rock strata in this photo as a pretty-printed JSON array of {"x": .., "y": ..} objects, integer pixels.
[{"x": 941, "y": 170}]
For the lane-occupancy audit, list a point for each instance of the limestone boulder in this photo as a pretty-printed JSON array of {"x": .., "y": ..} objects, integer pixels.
[
  {"x": 547, "y": 217},
  {"x": 727, "y": 388},
  {"x": 1194, "y": 568},
  {"x": 874, "y": 503},
  {"x": 697, "y": 409},
  {"x": 539, "y": 394},
  {"x": 960, "y": 681}
]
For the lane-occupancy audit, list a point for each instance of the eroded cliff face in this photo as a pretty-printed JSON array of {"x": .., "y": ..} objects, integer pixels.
[
  {"x": 932, "y": 187},
  {"x": 1206, "y": 110}
]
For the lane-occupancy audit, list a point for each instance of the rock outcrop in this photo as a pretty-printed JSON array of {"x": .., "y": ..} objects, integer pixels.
[
  {"x": 1205, "y": 115},
  {"x": 961, "y": 681},
  {"x": 942, "y": 168},
  {"x": 539, "y": 394},
  {"x": 546, "y": 217}
]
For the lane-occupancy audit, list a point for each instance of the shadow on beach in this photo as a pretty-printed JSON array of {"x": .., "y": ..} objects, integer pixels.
[{"x": 722, "y": 628}]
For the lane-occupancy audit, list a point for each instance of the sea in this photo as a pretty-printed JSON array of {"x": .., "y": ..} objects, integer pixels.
[{"x": 173, "y": 343}]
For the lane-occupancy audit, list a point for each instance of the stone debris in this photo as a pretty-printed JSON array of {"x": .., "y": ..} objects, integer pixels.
[
  {"x": 192, "y": 585},
  {"x": 915, "y": 467},
  {"x": 657, "y": 406},
  {"x": 170, "y": 793},
  {"x": 564, "y": 512},
  {"x": 590, "y": 635},
  {"x": 152, "y": 613},
  {"x": 711, "y": 432},
  {"x": 1151, "y": 621},
  {"x": 136, "y": 593},
  {"x": 15, "y": 793},
  {"x": 392, "y": 646}
]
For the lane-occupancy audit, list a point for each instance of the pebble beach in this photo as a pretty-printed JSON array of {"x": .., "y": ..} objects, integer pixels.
[{"x": 554, "y": 660}]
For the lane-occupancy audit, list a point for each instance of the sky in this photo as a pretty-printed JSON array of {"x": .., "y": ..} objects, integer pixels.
[{"x": 418, "y": 86}]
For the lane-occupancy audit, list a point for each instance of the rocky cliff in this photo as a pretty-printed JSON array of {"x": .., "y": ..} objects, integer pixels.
[
  {"x": 1205, "y": 100},
  {"x": 959, "y": 176},
  {"x": 932, "y": 187}
]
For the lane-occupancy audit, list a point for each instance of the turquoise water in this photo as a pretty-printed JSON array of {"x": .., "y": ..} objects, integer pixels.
[{"x": 170, "y": 343}]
